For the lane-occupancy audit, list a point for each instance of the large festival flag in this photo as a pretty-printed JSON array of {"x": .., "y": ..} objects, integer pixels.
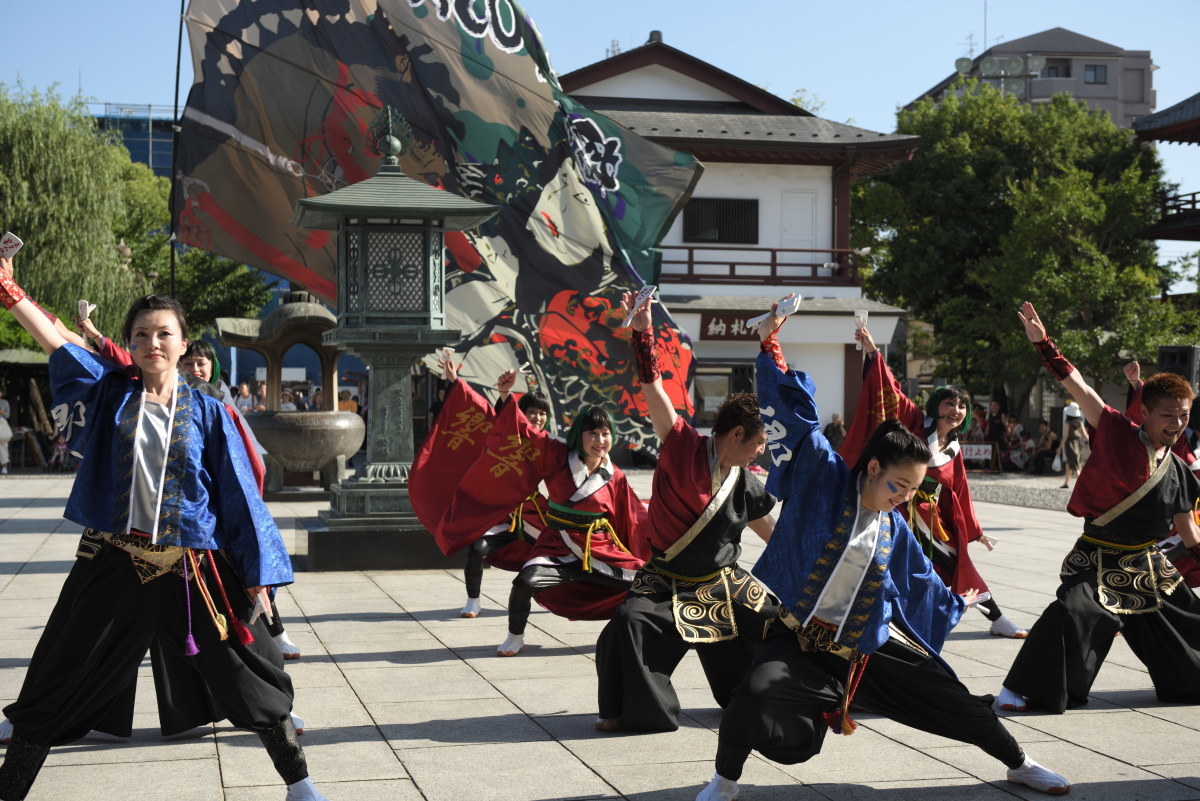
[{"x": 284, "y": 92}]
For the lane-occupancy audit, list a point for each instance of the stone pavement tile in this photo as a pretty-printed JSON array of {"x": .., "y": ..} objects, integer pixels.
[
  {"x": 314, "y": 671},
  {"x": 305, "y": 592},
  {"x": 13, "y": 605},
  {"x": 1138, "y": 739},
  {"x": 870, "y": 757},
  {"x": 486, "y": 633},
  {"x": 596, "y": 749},
  {"x": 680, "y": 781},
  {"x": 33, "y": 585},
  {"x": 419, "y": 683},
  {"x": 146, "y": 745},
  {"x": 383, "y": 790},
  {"x": 330, "y": 707},
  {"x": 914, "y": 738},
  {"x": 502, "y": 772},
  {"x": 320, "y": 610},
  {"x": 413, "y": 650},
  {"x": 12, "y": 675},
  {"x": 1093, "y": 776},
  {"x": 532, "y": 662},
  {"x": 345, "y": 753},
  {"x": 338, "y": 633},
  {"x": 22, "y": 629},
  {"x": 426, "y": 724},
  {"x": 1145, "y": 702},
  {"x": 572, "y": 695},
  {"x": 183, "y": 780},
  {"x": 921, "y": 790},
  {"x": 1183, "y": 772}
]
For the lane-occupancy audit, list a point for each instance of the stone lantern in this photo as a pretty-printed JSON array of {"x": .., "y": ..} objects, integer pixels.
[{"x": 390, "y": 313}]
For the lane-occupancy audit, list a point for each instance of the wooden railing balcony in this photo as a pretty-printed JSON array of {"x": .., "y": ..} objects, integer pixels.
[
  {"x": 711, "y": 264},
  {"x": 1180, "y": 204}
]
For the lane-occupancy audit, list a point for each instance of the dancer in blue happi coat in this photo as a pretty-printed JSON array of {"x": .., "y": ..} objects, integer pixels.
[
  {"x": 177, "y": 546},
  {"x": 864, "y": 615}
]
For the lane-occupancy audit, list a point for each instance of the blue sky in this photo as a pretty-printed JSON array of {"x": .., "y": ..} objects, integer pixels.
[{"x": 863, "y": 59}]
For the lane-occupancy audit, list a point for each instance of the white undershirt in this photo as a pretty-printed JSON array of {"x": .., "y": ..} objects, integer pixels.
[
  {"x": 150, "y": 452},
  {"x": 833, "y": 605}
]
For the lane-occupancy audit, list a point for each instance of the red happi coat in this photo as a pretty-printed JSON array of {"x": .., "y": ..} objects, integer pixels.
[
  {"x": 454, "y": 443},
  {"x": 516, "y": 458},
  {"x": 953, "y": 521}
]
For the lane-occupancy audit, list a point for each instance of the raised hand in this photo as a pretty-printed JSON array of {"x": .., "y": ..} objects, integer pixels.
[
  {"x": 506, "y": 380},
  {"x": 1133, "y": 373},
  {"x": 1033, "y": 324},
  {"x": 773, "y": 321},
  {"x": 6, "y": 268},
  {"x": 449, "y": 371},
  {"x": 642, "y": 319},
  {"x": 864, "y": 338}
]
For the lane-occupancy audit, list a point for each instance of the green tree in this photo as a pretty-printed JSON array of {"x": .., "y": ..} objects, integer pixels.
[
  {"x": 72, "y": 193},
  {"x": 1005, "y": 202},
  {"x": 57, "y": 173}
]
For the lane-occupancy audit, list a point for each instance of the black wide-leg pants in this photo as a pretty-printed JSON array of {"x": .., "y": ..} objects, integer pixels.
[
  {"x": 1059, "y": 661},
  {"x": 102, "y": 624},
  {"x": 640, "y": 648},
  {"x": 777, "y": 708}
]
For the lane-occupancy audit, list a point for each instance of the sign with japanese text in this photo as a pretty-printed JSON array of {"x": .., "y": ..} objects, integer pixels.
[{"x": 725, "y": 325}]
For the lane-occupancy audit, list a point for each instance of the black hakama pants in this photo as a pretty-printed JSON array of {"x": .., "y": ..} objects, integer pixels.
[
  {"x": 1059, "y": 661},
  {"x": 640, "y": 648},
  {"x": 777, "y": 708},
  {"x": 86, "y": 661}
]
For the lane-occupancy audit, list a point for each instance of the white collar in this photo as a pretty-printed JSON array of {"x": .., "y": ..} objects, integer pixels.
[
  {"x": 939, "y": 458},
  {"x": 587, "y": 483}
]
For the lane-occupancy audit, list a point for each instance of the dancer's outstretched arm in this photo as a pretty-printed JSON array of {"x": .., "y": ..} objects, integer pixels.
[
  {"x": 1089, "y": 402},
  {"x": 27, "y": 313},
  {"x": 662, "y": 411}
]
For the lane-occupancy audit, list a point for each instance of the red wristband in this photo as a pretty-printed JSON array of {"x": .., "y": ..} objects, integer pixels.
[
  {"x": 770, "y": 346},
  {"x": 10, "y": 293},
  {"x": 646, "y": 355},
  {"x": 1053, "y": 359}
]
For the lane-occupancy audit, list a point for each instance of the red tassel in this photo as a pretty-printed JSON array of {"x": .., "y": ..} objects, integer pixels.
[
  {"x": 243, "y": 633},
  {"x": 189, "y": 645},
  {"x": 839, "y": 723}
]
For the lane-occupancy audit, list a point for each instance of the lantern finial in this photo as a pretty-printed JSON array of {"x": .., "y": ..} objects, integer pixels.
[{"x": 390, "y": 135}]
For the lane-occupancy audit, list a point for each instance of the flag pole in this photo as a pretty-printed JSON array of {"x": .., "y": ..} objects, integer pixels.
[{"x": 175, "y": 140}]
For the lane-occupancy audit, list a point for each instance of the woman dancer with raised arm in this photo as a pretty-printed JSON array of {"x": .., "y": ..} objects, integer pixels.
[
  {"x": 941, "y": 514},
  {"x": 457, "y": 438},
  {"x": 864, "y": 615},
  {"x": 178, "y": 545},
  {"x": 586, "y": 555}
]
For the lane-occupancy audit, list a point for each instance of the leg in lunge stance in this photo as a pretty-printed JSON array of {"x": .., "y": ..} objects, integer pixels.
[{"x": 473, "y": 578}]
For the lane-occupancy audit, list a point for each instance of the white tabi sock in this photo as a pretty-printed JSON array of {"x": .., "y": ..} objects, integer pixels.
[
  {"x": 1010, "y": 701},
  {"x": 304, "y": 791},
  {"x": 719, "y": 789},
  {"x": 470, "y": 609},
  {"x": 512, "y": 645},
  {"x": 1033, "y": 775},
  {"x": 286, "y": 647}
]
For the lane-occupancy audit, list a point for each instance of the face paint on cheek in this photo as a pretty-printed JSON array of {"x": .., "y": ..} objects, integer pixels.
[
  {"x": 133, "y": 347},
  {"x": 892, "y": 488}
]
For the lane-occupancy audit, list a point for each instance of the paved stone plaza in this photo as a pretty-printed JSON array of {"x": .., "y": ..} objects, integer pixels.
[{"x": 404, "y": 700}]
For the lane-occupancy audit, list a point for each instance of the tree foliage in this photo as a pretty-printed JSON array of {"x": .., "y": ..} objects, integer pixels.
[
  {"x": 70, "y": 190},
  {"x": 1005, "y": 202}
]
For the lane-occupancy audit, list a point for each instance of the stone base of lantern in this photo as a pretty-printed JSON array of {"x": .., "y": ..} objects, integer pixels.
[{"x": 370, "y": 526}]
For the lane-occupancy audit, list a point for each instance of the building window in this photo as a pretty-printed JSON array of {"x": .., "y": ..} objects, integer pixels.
[
  {"x": 1057, "y": 68},
  {"x": 1095, "y": 73},
  {"x": 724, "y": 221}
]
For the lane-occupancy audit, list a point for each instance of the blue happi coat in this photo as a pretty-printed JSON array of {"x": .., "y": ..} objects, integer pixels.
[
  {"x": 209, "y": 496},
  {"x": 820, "y": 502}
]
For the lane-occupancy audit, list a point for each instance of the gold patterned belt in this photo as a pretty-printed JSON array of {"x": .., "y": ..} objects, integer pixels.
[
  {"x": 589, "y": 527},
  {"x": 1116, "y": 546},
  {"x": 151, "y": 561},
  {"x": 817, "y": 636}
]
